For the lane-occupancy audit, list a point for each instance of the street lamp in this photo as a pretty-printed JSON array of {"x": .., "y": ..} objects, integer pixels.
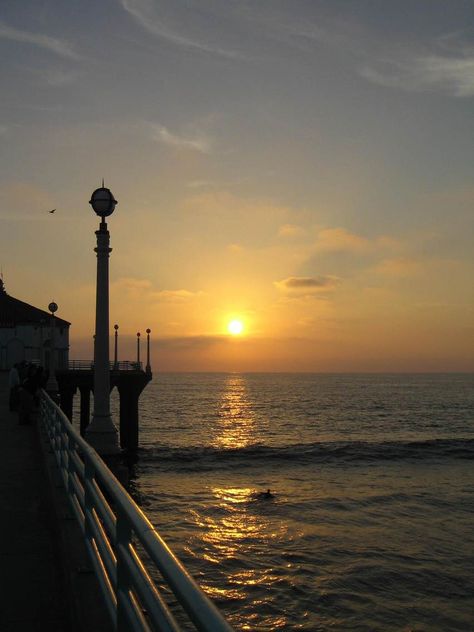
[
  {"x": 148, "y": 365},
  {"x": 138, "y": 350},
  {"x": 116, "y": 347},
  {"x": 101, "y": 432},
  {"x": 52, "y": 384}
]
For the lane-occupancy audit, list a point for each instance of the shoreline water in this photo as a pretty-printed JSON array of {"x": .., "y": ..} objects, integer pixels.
[{"x": 370, "y": 524}]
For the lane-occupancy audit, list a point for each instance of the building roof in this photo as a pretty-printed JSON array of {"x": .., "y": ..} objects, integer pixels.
[{"x": 15, "y": 312}]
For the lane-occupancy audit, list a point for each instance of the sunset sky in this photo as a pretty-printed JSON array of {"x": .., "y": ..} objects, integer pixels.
[{"x": 304, "y": 167}]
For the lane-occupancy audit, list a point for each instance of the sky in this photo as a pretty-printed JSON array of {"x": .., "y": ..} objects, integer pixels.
[{"x": 304, "y": 167}]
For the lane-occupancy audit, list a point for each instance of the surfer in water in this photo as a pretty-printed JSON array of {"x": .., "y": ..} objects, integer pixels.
[{"x": 266, "y": 495}]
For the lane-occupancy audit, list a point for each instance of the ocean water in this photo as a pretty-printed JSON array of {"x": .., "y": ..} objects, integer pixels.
[{"x": 370, "y": 523}]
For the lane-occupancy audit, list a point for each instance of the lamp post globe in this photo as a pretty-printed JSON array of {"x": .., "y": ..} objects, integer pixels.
[
  {"x": 103, "y": 202},
  {"x": 53, "y": 307}
]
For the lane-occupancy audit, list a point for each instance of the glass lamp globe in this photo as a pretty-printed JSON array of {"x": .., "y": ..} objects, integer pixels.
[{"x": 103, "y": 202}]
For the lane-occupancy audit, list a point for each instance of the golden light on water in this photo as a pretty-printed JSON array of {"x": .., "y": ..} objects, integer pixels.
[
  {"x": 242, "y": 521},
  {"x": 235, "y": 427}
]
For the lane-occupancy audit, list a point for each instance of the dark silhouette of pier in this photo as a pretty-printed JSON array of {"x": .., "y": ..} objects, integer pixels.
[
  {"x": 46, "y": 581},
  {"x": 130, "y": 380},
  {"x": 44, "y": 573}
]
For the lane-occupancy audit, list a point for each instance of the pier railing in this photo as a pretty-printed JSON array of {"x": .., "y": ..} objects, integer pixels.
[
  {"x": 117, "y": 533},
  {"x": 88, "y": 365}
]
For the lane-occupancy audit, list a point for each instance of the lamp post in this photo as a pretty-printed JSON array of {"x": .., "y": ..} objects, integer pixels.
[
  {"x": 138, "y": 350},
  {"x": 116, "y": 347},
  {"x": 52, "y": 384},
  {"x": 148, "y": 366},
  {"x": 101, "y": 432}
]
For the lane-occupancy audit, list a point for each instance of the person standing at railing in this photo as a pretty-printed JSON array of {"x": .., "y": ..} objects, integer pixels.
[
  {"x": 13, "y": 383},
  {"x": 28, "y": 389},
  {"x": 29, "y": 393}
]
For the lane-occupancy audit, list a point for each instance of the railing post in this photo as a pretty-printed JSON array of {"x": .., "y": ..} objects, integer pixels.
[
  {"x": 89, "y": 474},
  {"x": 122, "y": 590},
  {"x": 71, "y": 446}
]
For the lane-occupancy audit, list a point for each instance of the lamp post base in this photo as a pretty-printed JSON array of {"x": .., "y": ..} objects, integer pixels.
[{"x": 102, "y": 435}]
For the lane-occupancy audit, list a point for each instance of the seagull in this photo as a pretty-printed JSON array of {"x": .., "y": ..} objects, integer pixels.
[{"x": 52, "y": 210}]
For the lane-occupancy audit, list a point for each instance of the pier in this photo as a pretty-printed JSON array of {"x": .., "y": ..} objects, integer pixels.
[
  {"x": 129, "y": 379},
  {"x": 43, "y": 568},
  {"x": 76, "y": 552}
]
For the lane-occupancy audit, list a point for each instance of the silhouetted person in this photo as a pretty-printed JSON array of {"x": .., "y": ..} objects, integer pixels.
[
  {"x": 13, "y": 383},
  {"x": 28, "y": 391},
  {"x": 266, "y": 495}
]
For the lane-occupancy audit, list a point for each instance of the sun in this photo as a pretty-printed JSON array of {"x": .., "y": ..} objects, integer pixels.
[{"x": 235, "y": 327}]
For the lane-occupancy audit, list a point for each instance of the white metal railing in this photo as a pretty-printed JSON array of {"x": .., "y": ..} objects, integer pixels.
[
  {"x": 88, "y": 365},
  {"x": 112, "y": 525}
]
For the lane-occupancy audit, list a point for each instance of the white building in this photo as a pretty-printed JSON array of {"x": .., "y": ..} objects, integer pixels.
[{"x": 25, "y": 334}]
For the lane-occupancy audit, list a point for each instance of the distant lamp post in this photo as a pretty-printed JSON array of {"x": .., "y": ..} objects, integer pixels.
[
  {"x": 52, "y": 384},
  {"x": 101, "y": 432},
  {"x": 148, "y": 366},
  {"x": 138, "y": 350},
  {"x": 116, "y": 347}
]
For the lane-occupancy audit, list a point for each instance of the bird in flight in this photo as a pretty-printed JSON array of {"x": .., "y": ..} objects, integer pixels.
[{"x": 52, "y": 210}]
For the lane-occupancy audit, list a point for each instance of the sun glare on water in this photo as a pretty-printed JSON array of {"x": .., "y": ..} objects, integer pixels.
[{"x": 235, "y": 327}]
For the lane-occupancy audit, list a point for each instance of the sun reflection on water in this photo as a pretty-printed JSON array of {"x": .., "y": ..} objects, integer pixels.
[
  {"x": 237, "y": 526},
  {"x": 232, "y": 537},
  {"x": 235, "y": 427}
]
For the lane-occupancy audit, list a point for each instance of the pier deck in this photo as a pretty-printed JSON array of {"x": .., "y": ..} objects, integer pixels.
[
  {"x": 32, "y": 595},
  {"x": 46, "y": 581}
]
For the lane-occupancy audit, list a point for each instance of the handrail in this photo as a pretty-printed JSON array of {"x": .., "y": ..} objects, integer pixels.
[
  {"x": 112, "y": 524},
  {"x": 122, "y": 365}
]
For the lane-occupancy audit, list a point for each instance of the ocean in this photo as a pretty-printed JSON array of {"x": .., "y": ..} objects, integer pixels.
[{"x": 369, "y": 521}]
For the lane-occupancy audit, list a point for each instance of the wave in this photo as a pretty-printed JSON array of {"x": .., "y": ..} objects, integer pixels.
[{"x": 206, "y": 457}]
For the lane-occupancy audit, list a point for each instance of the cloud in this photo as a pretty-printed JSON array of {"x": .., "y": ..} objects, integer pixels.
[
  {"x": 199, "y": 184},
  {"x": 449, "y": 74},
  {"x": 235, "y": 248},
  {"x": 176, "y": 296},
  {"x": 339, "y": 239},
  {"x": 197, "y": 143},
  {"x": 51, "y": 44},
  {"x": 290, "y": 230},
  {"x": 142, "y": 12},
  {"x": 307, "y": 284},
  {"x": 183, "y": 343},
  {"x": 58, "y": 78},
  {"x": 133, "y": 288},
  {"x": 400, "y": 267}
]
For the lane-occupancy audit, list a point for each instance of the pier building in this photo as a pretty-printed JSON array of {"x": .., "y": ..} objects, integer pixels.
[{"x": 25, "y": 334}]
